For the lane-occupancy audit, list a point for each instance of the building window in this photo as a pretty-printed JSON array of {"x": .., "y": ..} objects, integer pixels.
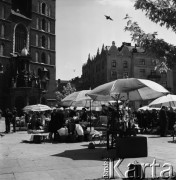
[
  {"x": 20, "y": 38},
  {"x": 43, "y": 8},
  {"x": 164, "y": 75},
  {"x": 43, "y": 41},
  {"x": 38, "y": 7},
  {"x": 2, "y": 12},
  {"x": 125, "y": 64},
  {"x": 1, "y": 68},
  {"x": 2, "y": 30},
  {"x": 1, "y": 49},
  {"x": 142, "y": 72},
  {"x": 164, "y": 83},
  {"x": 114, "y": 74},
  {"x": 36, "y": 57},
  {"x": 125, "y": 75},
  {"x": 43, "y": 58},
  {"x": 37, "y": 23},
  {"x": 114, "y": 63},
  {"x": 49, "y": 11},
  {"x": 49, "y": 59},
  {"x": 43, "y": 24},
  {"x": 153, "y": 62},
  {"x": 141, "y": 61},
  {"x": 48, "y": 43},
  {"x": 36, "y": 40},
  {"x": 49, "y": 27}
]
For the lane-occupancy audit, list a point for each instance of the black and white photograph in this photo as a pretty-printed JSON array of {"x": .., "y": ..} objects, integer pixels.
[{"x": 87, "y": 89}]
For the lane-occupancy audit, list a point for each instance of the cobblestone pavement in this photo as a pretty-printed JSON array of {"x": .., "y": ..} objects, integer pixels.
[{"x": 48, "y": 161}]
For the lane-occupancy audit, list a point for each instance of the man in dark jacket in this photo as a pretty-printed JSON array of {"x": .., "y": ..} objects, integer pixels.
[
  {"x": 163, "y": 121},
  {"x": 8, "y": 118}
]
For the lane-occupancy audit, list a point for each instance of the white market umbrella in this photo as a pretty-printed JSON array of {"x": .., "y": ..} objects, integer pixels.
[
  {"x": 168, "y": 100},
  {"x": 130, "y": 88},
  {"x": 80, "y": 99},
  {"x": 144, "y": 108},
  {"x": 36, "y": 107}
]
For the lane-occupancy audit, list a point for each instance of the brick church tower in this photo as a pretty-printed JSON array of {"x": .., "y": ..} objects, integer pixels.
[{"x": 27, "y": 52}]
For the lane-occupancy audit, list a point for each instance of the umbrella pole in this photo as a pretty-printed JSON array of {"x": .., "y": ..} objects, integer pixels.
[{"x": 90, "y": 116}]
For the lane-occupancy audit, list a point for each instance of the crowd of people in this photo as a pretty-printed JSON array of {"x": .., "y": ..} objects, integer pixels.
[
  {"x": 157, "y": 121},
  {"x": 10, "y": 118},
  {"x": 161, "y": 121}
]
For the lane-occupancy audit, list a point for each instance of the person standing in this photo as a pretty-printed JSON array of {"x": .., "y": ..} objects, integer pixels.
[
  {"x": 53, "y": 125},
  {"x": 83, "y": 116},
  {"x": 163, "y": 121},
  {"x": 14, "y": 115},
  {"x": 8, "y": 117}
]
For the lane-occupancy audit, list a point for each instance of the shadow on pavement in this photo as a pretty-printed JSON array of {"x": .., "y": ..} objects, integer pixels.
[
  {"x": 26, "y": 141},
  {"x": 88, "y": 154},
  {"x": 174, "y": 142}
]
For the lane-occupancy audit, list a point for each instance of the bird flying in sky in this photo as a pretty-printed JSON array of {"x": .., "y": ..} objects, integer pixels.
[
  {"x": 127, "y": 16},
  {"x": 108, "y": 18}
]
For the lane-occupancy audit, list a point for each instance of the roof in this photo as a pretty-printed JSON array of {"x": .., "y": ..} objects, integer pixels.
[{"x": 139, "y": 49}]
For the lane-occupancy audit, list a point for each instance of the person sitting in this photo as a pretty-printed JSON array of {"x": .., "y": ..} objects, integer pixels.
[
  {"x": 72, "y": 113},
  {"x": 83, "y": 116}
]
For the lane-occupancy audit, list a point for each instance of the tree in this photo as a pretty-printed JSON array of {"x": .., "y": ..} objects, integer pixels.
[
  {"x": 68, "y": 89},
  {"x": 164, "y": 13}
]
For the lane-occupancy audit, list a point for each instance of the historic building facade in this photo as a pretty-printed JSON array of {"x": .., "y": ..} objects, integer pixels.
[
  {"x": 27, "y": 52},
  {"x": 126, "y": 61}
]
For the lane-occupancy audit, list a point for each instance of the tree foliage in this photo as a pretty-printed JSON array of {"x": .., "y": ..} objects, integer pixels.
[
  {"x": 164, "y": 13},
  {"x": 68, "y": 89}
]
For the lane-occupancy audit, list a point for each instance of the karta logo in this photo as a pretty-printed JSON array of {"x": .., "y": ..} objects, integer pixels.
[{"x": 137, "y": 170}]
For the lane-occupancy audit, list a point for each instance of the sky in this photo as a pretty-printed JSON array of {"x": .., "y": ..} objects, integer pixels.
[{"x": 81, "y": 28}]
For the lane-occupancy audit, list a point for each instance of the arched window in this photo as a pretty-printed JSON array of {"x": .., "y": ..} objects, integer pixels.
[
  {"x": 43, "y": 58},
  {"x": 37, "y": 23},
  {"x": 2, "y": 12},
  {"x": 43, "y": 24},
  {"x": 1, "y": 49},
  {"x": 49, "y": 59},
  {"x": 2, "y": 30},
  {"x": 36, "y": 57},
  {"x": 49, "y": 43},
  {"x": 20, "y": 38},
  {"x": 43, "y": 8},
  {"x": 36, "y": 40},
  {"x": 49, "y": 27},
  {"x": 43, "y": 41}
]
